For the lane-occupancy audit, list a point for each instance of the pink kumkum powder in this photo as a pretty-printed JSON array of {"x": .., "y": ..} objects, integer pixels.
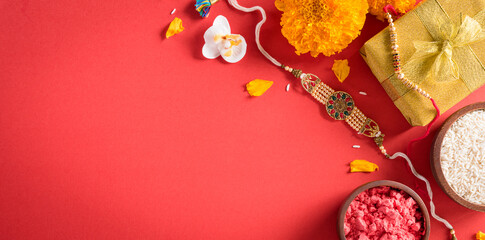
[{"x": 383, "y": 213}]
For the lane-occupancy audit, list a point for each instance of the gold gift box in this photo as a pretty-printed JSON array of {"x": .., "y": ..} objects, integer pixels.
[{"x": 424, "y": 24}]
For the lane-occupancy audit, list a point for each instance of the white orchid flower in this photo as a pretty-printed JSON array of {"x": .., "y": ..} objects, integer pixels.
[{"x": 220, "y": 42}]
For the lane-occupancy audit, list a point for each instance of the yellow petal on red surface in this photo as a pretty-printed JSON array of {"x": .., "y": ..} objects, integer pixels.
[
  {"x": 341, "y": 69},
  {"x": 480, "y": 235},
  {"x": 257, "y": 87},
  {"x": 363, "y": 166},
  {"x": 174, "y": 28}
]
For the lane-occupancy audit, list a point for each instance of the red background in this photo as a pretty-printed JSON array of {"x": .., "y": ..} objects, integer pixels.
[{"x": 110, "y": 131}]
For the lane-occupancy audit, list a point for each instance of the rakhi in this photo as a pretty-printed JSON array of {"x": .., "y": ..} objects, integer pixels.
[
  {"x": 340, "y": 105},
  {"x": 396, "y": 58}
]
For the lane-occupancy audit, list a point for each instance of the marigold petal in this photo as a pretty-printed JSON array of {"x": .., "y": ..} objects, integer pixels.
[
  {"x": 257, "y": 87},
  {"x": 363, "y": 166},
  {"x": 280, "y": 5},
  {"x": 341, "y": 69},
  {"x": 480, "y": 235},
  {"x": 174, "y": 28}
]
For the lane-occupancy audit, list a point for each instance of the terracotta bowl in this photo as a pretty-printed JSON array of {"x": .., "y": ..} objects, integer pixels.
[
  {"x": 436, "y": 160},
  {"x": 393, "y": 184}
]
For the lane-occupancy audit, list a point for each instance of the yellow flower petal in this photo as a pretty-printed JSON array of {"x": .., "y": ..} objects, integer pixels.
[
  {"x": 341, "y": 69},
  {"x": 363, "y": 166},
  {"x": 174, "y": 28},
  {"x": 257, "y": 87},
  {"x": 401, "y": 6},
  {"x": 480, "y": 235}
]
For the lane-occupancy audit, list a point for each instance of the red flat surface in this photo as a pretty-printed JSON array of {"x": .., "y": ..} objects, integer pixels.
[{"x": 110, "y": 131}]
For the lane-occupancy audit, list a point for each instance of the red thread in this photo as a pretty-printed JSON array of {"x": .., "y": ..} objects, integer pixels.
[
  {"x": 427, "y": 129},
  {"x": 408, "y": 151},
  {"x": 390, "y": 8}
]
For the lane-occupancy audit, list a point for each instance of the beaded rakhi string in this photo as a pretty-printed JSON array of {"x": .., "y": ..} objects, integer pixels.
[
  {"x": 409, "y": 84},
  {"x": 396, "y": 62},
  {"x": 340, "y": 105}
]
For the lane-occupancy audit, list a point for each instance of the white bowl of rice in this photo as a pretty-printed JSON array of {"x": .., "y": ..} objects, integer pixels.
[{"x": 458, "y": 157}]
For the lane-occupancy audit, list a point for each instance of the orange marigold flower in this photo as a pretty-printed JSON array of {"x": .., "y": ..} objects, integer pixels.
[
  {"x": 321, "y": 26},
  {"x": 401, "y": 6}
]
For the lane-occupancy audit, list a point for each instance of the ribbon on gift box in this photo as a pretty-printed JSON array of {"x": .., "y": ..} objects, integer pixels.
[
  {"x": 448, "y": 56},
  {"x": 442, "y": 50}
]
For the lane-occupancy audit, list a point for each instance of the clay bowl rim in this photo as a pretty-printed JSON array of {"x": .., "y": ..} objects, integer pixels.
[
  {"x": 435, "y": 157},
  {"x": 389, "y": 183}
]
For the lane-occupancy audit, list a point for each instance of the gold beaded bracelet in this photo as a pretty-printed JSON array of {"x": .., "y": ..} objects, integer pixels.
[{"x": 340, "y": 106}]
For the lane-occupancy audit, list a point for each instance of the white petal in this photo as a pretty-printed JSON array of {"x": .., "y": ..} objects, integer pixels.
[
  {"x": 210, "y": 51},
  {"x": 222, "y": 23},
  {"x": 238, "y": 52},
  {"x": 212, "y": 32}
]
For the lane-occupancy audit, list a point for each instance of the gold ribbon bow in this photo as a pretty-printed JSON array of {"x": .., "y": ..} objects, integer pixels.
[
  {"x": 438, "y": 54},
  {"x": 451, "y": 48}
]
